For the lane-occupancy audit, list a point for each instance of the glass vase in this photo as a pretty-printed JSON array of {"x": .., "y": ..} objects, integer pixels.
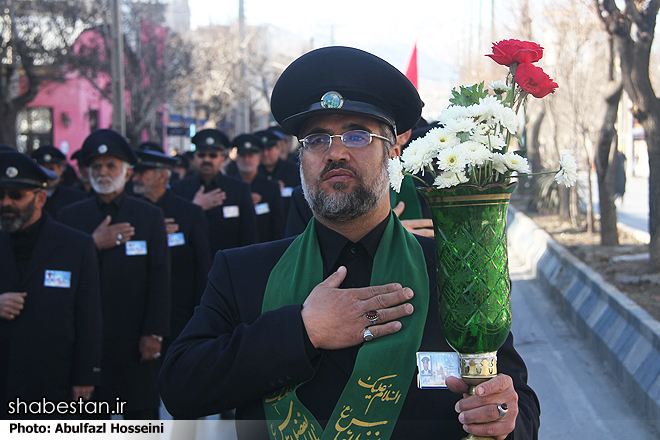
[{"x": 473, "y": 272}]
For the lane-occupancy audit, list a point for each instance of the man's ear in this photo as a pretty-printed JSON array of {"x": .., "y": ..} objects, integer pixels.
[
  {"x": 403, "y": 138},
  {"x": 41, "y": 198},
  {"x": 395, "y": 151},
  {"x": 129, "y": 174}
]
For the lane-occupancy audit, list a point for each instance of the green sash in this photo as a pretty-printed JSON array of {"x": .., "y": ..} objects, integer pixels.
[
  {"x": 408, "y": 195},
  {"x": 372, "y": 399}
]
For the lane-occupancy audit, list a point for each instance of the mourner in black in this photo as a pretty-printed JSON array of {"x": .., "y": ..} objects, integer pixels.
[
  {"x": 187, "y": 236},
  {"x": 50, "y": 307},
  {"x": 131, "y": 240},
  {"x": 321, "y": 333},
  {"x": 282, "y": 171},
  {"x": 226, "y": 200},
  {"x": 59, "y": 195},
  {"x": 266, "y": 195}
]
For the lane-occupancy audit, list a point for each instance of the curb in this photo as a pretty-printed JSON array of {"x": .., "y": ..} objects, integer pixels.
[{"x": 622, "y": 332}]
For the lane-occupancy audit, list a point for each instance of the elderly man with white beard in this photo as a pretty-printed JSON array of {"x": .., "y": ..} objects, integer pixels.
[{"x": 131, "y": 240}]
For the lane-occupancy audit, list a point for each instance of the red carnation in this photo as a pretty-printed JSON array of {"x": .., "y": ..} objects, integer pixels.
[
  {"x": 507, "y": 52},
  {"x": 533, "y": 80}
]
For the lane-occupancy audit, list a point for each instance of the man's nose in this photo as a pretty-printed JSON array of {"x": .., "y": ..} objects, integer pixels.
[{"x": 337, "y": 151}]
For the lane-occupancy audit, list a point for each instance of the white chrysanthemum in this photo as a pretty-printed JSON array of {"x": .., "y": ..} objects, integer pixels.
[
  {"x": 507, "y": 118},
  {"x": 477, "y": 152},
  {"x": 498, "y": 86},
  {"x": 452, "y": 159},
  {"x": 447, "y": 180},
  {"x": 499, "y": 163},
  {"x": 415, "y": 157},
  {"x": 439, "y": 139},
  {"x": 395, "y": 170},
  {"x": 460, "y": 125},
  {"x": 497, "y": 142},
  {"x": 568, "y": 172},
  {"x": 516, "y": 162},
  {"x": 451, "y": 113}
]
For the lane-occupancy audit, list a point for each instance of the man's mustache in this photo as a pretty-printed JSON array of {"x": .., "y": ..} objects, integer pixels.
[{"x": 337, "y": 166}]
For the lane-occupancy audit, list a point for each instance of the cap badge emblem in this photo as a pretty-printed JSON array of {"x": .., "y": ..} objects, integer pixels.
[
  {"x": 11, "y": 172},
  {"x": 248, "y": 145},
  {"x": 332, "y": 100},
  {"x": 209, "y": 141},
  {"x": 103, "y": 148},
  {"x": 48, "y": 157}
]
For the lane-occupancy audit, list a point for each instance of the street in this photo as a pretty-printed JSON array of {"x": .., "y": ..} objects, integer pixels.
[{"x": 633, "y": 211}]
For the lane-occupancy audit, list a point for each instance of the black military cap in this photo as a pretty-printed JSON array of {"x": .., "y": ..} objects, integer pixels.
[
  {"x": 247, "y": 143},
  {"x": 151, "y": 146},
  {"x": 210, "y": 139},
  {"x": 268, "y": 138},
  {"x": 348, "y": 80},
  {"x": 148, "y": 159},
  {"x": 5, "y": 147},
  {"x": 48, "y": 154},
  {"x": 18, "y": 170},
  {"x": 107, "y": 142}
]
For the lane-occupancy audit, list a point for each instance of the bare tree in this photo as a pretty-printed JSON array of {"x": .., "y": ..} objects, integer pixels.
[
  {"x": 36, "y": 38},
  {"x": 632, "y": 29},
  {"x": 156, "y": 63}
]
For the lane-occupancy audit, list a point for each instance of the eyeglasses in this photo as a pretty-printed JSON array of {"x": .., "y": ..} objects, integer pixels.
[
  {"x": 14, "y": 194},
  {"x": 350, "y": 139},
  {"x": 203, "y": 155}
]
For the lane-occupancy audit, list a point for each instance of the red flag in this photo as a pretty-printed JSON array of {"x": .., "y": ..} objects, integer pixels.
[{"x": 411, "y": 71}]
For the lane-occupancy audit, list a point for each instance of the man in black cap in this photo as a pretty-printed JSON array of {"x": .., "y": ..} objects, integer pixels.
[
  {"x": 187, "y": 237},
  {"x": 266, "y": 195},
  {"x": 134, "y": 259},
  {"x": 226, "y": 201},
  {"x": 320, "y": 338},
  {"x": 59, "y": 195},
  {"x": 284, "y": 172},
  {"x": 50, "y": 309}
]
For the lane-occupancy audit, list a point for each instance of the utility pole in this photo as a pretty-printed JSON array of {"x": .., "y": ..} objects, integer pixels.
[
  {"x": 243, "y": 110},
  {"x": 117, "y": 71}
]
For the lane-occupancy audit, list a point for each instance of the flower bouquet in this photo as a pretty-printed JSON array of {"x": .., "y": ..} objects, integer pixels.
[{"x": 469, "y": 158}]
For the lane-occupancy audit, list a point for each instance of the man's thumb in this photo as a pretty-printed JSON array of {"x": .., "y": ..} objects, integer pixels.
[{"x": 336, "y": 278}]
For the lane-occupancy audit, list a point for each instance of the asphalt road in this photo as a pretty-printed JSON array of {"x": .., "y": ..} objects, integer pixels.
[{"x": 580, "y": 396}]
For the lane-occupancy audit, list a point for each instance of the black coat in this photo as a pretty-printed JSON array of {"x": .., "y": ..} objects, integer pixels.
[
  {"x": 231, "y": 354},
  {"x": 63, "y": 196},
  {"x": 270, "y": 210},
  {"x": 190, "y": 257},
  {"x": 55, "y": 342},
  {"x": 288, "y": 173},
  {"x": 232, "y": 224},
  {"x": 135, "y": 298}
]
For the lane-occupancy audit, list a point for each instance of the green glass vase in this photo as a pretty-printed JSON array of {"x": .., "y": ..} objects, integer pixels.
[{"x": 473, "y": 271}]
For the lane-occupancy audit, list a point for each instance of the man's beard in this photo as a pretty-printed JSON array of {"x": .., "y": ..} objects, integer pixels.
[
  {"x": 18, "y": 219},
  {"x": 345, "y": 206},
  {"x": 115, "y": 184}
]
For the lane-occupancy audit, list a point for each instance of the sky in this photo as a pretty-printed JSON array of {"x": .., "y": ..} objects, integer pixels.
[{"x": 445, "y": 31}]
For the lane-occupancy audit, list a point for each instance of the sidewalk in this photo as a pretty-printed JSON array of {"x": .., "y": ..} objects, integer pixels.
[{"x": 625, "y": 335}]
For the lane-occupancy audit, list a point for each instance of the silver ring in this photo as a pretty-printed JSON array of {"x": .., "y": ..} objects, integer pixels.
[
  {"x": 157, "y": 355},
  {"x": 372, "y": 316},
  {"x": 117, "y": 243},
  {"x": 119, "y": 237},
  {"x": 367, "y": 336},
  {"x": 502, "y": 408}
]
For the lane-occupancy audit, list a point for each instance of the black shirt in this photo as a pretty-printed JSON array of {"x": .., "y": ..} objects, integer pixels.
[{"x": 112, "y": 208}]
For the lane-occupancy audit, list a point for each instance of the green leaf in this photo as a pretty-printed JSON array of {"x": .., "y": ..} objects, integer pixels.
[{"x": 468, "y": 95}]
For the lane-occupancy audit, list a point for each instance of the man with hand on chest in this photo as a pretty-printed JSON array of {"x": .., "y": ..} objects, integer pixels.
[
  {"x": 134, "y": 260},
  {"x": 50, "y": 307},
  {"x": 319, "y": 339}
]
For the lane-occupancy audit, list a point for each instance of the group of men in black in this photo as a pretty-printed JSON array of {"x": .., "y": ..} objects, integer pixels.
[{"x": 99, "y": 276}]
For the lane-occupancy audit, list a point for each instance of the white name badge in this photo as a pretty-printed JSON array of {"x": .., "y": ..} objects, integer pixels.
[
  {"x": 57, "y": 278},
  {"x": 230, "y": 211},
  {"x": 176, "y": 239},
  {"x": 262, "y": 208},
  {"x": 136, "y": 248},
  {"x": 286, "y": 191}
]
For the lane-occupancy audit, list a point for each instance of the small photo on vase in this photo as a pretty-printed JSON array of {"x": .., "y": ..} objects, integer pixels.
[{"x": 435, "y": 367}]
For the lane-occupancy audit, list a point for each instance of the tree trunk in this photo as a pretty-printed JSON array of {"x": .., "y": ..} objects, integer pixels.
[{"x": 605, "y": 167}]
